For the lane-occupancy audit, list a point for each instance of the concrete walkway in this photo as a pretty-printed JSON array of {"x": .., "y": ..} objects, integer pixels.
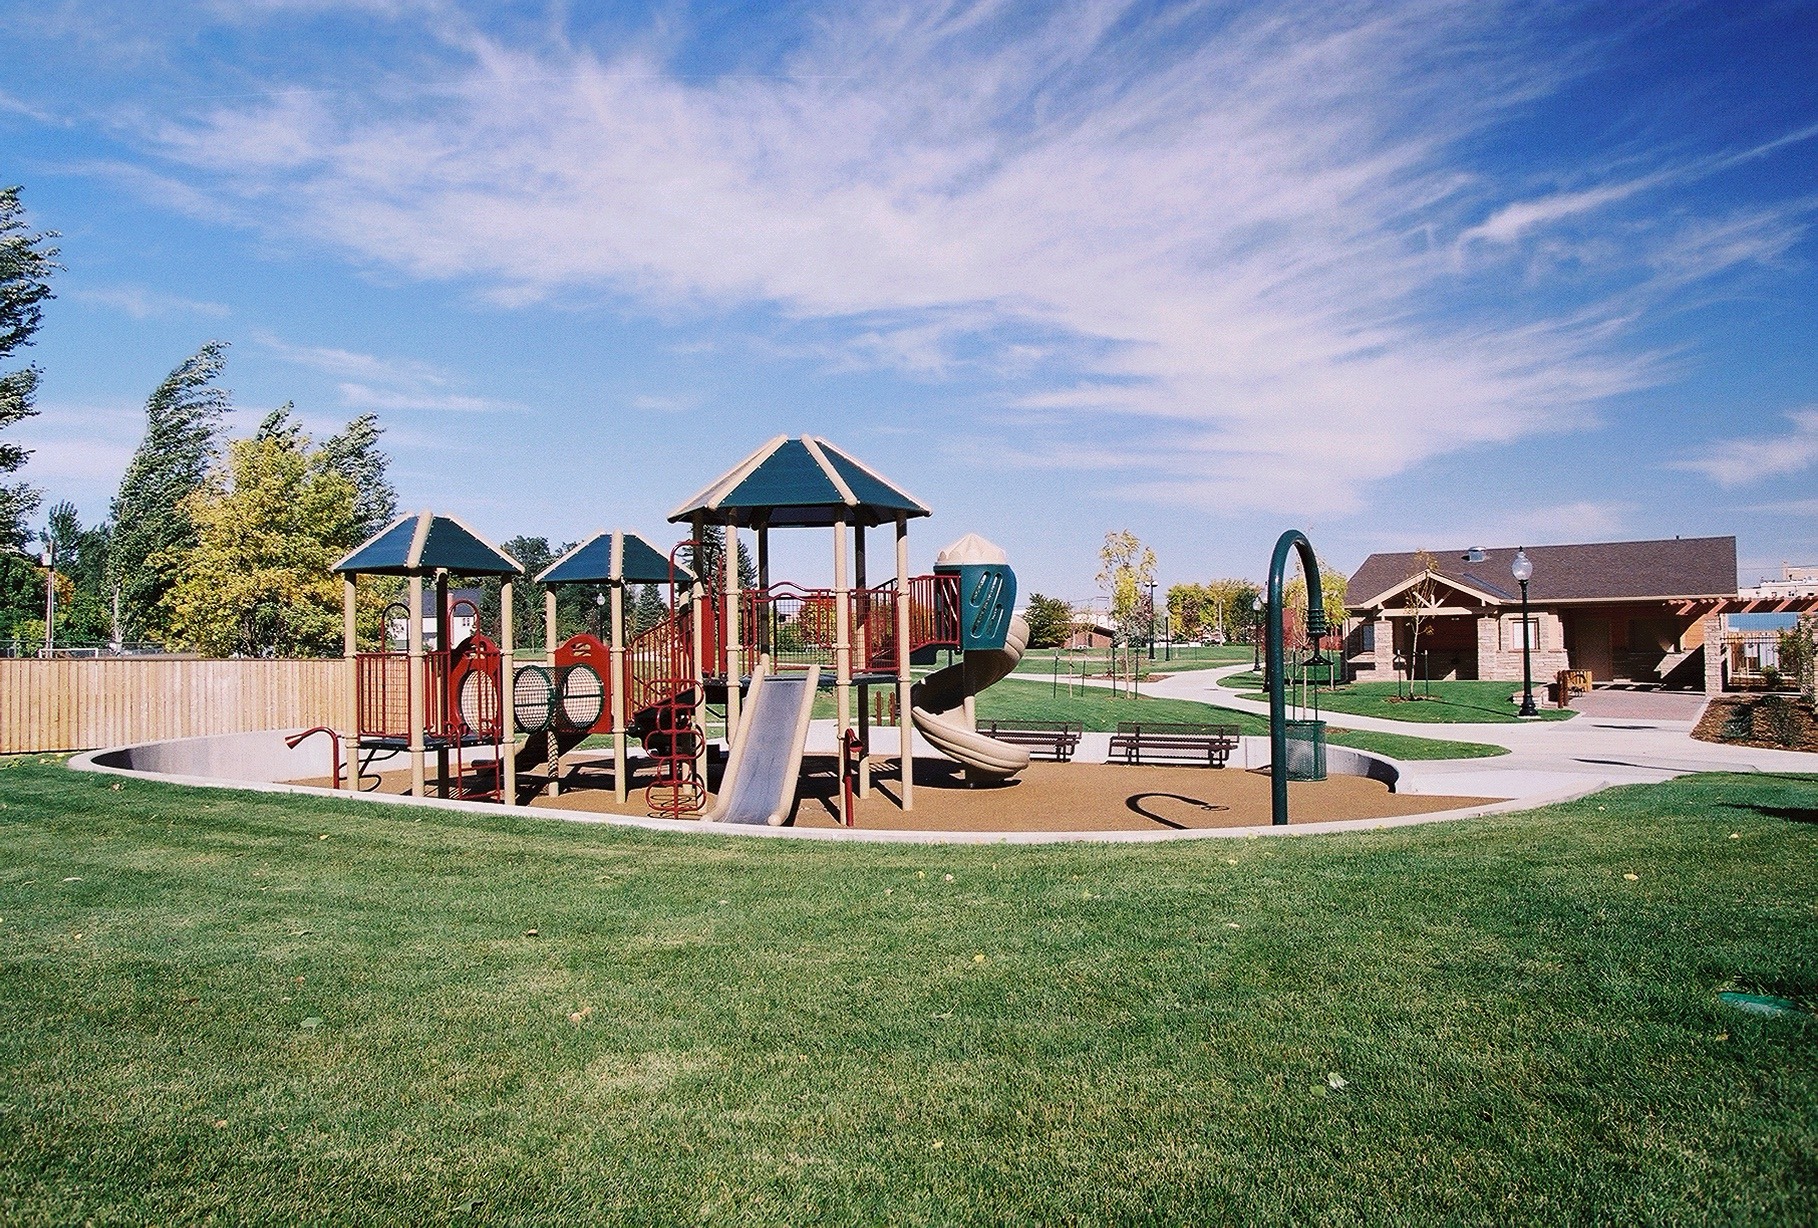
[{"x": 1546, "y": 757}]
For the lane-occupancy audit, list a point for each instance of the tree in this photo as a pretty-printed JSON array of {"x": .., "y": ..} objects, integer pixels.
[
  {"x": 183, "y": 419},
  {"x": 355, "y": 455},
  {"x": 712, "y": 552},
  {"x": 1419, "y": 599},
  {"x": 576, "y": 609},
  {"x": 1126, "y": 569},
  {"x": 268, "y": 526},
  {"x": 1187, "y": 610},
  {"x": 26, "y": 263},
  {"x": 1332, "y": 585},
  {"x": 649, "y": 609},
  {"x": 1050, "y": 621},
  {"x": 83, "y": 613}
]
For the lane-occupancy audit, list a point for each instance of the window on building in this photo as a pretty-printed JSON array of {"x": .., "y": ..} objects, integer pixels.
[
  {"x": 1527, "y": 630},
  {"x": 1367, "y": 637}
]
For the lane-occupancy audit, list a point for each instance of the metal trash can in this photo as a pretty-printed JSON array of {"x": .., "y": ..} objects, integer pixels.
[{"x": 1306, "y": 750}]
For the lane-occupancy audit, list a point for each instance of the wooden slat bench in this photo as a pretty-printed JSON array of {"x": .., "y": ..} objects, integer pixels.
[
  {"x": 1152, "y": 740},
  {"x": 1058, "y": 738}
]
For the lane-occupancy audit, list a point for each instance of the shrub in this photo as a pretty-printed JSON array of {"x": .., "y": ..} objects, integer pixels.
[
  {"x": 1740, "y": 725},
  {"x": 1784, "y": 726}
]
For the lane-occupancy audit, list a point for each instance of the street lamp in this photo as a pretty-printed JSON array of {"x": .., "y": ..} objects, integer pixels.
[
  {"x": 1152, "y": 620},
  {"x": 599, "y": 614},
  {"x": 1523, "y": 571},
  {"x": 50, "y": 595},
  {"x": 1256, "y": 634}
]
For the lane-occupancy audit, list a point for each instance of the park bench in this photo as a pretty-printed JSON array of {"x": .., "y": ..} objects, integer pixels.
[
  {"x": 1058, "y": 738},
  {"x": 1152, "y": 740}
]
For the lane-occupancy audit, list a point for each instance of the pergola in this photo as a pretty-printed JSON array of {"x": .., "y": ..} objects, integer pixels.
[
  {"x": 610, "y": 560},
  {"x": 417, "y": 545},
  {"x": 807, "y": 482}
]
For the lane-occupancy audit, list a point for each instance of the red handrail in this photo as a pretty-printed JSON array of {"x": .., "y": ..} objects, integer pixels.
[{"x": 334, "y": 746}]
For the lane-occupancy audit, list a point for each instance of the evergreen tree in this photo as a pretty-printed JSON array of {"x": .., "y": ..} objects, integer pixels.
[
  {"x": 650, "y": 607},
  {"x": 26, "y": 263},
  {"x": 183, "y": 419},
  {"x": 712, "y": 551},
  {"x": 356, "y": 456},
  {"x": 83, "y": 616}
]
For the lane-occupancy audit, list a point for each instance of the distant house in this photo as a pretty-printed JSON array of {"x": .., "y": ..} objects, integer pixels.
[
  {"x": 1621, "y": 610},
  {"x": 1091, "y": 635},
  {"x": 464, "y": 602}
]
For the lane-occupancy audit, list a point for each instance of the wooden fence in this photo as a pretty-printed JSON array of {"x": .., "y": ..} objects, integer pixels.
[{"x": 82, "y": 704}]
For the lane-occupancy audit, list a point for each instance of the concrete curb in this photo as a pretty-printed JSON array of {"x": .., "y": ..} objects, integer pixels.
[{"x": 88, "y": 762}]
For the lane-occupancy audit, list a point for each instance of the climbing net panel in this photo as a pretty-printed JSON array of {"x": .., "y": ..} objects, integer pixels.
[
  {"x": 533, "y": 698},
  {"x": 580, "y": 698}
]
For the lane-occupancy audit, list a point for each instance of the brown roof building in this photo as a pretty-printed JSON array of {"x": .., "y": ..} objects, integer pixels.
[{"x": 1630, "y": 611}]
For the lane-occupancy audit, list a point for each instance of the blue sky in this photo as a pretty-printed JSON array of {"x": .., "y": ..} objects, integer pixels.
[{"x": 1403, "y": 275}]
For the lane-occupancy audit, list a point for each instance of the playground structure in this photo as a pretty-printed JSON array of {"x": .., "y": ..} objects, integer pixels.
[{"x": 779, "y": 642}]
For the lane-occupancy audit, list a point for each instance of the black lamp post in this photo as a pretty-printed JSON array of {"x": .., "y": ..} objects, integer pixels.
[
  {"x": 50, "y": 596},
  {"x": 1152, "y": 620},
  {"x": 1523, "y": 571},
  {"x": 1256, "y": 635}
]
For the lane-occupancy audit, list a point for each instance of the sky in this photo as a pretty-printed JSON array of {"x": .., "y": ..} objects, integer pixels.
[{"x": 1411, "y": 275}]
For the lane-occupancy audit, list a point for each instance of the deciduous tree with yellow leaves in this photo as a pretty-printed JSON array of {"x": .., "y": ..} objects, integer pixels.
[{"x": 270, "y": 522}]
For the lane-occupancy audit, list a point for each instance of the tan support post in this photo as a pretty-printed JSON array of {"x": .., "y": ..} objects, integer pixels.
[
  {"x": 413, "y": 687},
  {"x": 549, "y": 627},
  {"x": 730, "y": 563},
  {"x": 864, "y": 647},
  {"x": 508, "y": 709},
  {"x": 905, "y": 726},
  {"x": 698, "y": 595},
  {"x": 766, "y": 611},
  {"x": 350, "y": 648},
  {"x": 842, "y": 629},
  {"x": 621, "y": 789}
]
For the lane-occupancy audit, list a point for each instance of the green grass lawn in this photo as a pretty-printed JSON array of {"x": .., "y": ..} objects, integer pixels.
[
  {"x": 1452, "y": 702},
  {"x": 1097, "y": 708},
  {"x": 257, "y": 1007},
  {"x": 1041, "y": 661}
]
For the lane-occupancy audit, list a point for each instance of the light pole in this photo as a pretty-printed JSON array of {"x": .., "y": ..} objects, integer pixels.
[
  {"x": 50, "y": 595},
  {"x": 599, "y": 615},
  {"x": 1152, "y": 620},
  {"x": 1256, "y": 635},
  {"x": 1523, "y": 571}
]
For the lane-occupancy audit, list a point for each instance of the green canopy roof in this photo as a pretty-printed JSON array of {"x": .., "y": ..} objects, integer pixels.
[
  {"x": 613, "y": 558},
  {"x": 800, "y": 482},
  {"x": 423, "y": 542}
]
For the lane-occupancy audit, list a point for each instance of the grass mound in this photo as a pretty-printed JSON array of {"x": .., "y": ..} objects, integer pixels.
[{"x": 263, "y": 1007}]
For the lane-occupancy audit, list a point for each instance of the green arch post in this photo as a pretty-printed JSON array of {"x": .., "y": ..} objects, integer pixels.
[{"x": 1316, "y": 627}]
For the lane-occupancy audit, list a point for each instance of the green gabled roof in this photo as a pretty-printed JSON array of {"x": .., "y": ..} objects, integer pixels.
[
  {"x": 800, "y": 482},
  {"x": 423, "y": 542},
  {"x": 615, "y": 557}
]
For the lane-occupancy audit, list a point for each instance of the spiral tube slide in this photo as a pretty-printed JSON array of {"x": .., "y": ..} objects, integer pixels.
[{"x": 985, "y": 759}]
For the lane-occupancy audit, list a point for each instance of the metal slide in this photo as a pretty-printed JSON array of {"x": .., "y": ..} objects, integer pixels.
[
  {"x": 760, "y": 779},
  {"x": 985, "y": 759}
]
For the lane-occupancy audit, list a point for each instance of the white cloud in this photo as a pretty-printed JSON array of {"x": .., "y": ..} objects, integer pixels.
[
  {"x": 360, "y": 396},
  {"x": 372, "y": 382},
  {"x": 1233, "y": 245},
  {"x": 353, "y": 364},
  {"x": 1736, "y": 462},
  {"x": 1511, "y": 222},
  {"x": 145, "y": 304}
]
